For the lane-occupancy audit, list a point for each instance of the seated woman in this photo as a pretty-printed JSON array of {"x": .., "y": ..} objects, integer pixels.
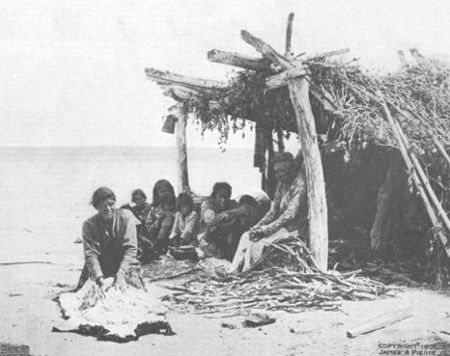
[
  {"x": 281, "y": 219},
  {"x": 220, "y": 217},
  {"x": 141, "y": 208},
  {"x": 159, "y": 222},
  {"x": 110, "y": 244},
  {"x": 185, "y": 227}
]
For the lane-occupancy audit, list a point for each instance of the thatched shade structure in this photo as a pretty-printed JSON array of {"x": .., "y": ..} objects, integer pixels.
[{"x": 333, "y": 105}]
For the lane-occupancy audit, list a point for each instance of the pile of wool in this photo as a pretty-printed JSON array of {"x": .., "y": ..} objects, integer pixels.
[{"x": 115, "y": 316}]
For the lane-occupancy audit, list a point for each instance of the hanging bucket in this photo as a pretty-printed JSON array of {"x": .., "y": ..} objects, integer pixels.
[{"x": 169, "y": 124}]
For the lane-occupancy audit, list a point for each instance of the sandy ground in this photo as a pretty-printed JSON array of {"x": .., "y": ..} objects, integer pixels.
[
  {"x": 50, "y": 218},
  {"x": 27, "y": 314}
]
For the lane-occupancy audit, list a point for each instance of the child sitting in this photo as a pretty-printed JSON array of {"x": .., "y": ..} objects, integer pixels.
[
  {"x": 186, "y": 224},
  {"x": 249, "y": 214}
]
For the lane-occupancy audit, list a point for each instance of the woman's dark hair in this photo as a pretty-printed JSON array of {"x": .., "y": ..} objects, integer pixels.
[
  {"x": 102, "y": 194},
  {"x": 162, "y": 183},
  {"x": 283, "y": 157},
  {"x": 136, "y": 193},
  {"x": 172, "y": 201},
  {"x": 248, "y": 199},
  {"x": 185, "y": 199},
  {"x": 221, "y": 186}
]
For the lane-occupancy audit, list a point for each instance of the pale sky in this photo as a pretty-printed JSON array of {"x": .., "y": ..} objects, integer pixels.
[{"x": 72, "y": 72}]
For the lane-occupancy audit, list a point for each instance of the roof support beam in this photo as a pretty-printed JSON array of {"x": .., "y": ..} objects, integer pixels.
[
  {"x": 239, "y": 60},
  {"x": 173, "y": 78},
  {"x": 281, "y": 79}
]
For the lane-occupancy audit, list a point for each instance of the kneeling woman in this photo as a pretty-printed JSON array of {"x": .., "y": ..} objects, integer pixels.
[{"x": 110, "y": 244}]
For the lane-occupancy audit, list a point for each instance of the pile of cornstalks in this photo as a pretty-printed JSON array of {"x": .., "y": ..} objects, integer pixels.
[{"x": 273, "y": 288}]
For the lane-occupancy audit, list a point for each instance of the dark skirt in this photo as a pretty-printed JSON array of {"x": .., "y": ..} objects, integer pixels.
[{"x": 222, "y": 242}]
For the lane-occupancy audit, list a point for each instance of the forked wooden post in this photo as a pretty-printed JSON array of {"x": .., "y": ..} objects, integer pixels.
[
  {"x": 299, "y": 93},
  {"x": 182, "y": 161},
  {"x": 315, "y": 182}
]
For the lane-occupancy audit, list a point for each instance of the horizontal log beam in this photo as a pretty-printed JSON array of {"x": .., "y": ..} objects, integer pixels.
[
  {"x": 266, "y": 50},
  {"x": 239, "y": 60},
  {"x": 281, "y": 79},
  {"x": 174, "y": 78},
  {"x": 181, "y": 93},
  {"x": 321, "y": 56}
]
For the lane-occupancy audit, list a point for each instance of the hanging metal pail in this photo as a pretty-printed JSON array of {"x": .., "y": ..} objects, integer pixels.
[{"x": 169, "y": 124}]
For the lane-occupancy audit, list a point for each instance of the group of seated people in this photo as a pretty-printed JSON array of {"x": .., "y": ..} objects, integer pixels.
[{"x": 116, "y": 241}]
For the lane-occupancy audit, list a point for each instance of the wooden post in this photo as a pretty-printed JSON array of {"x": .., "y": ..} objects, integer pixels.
[
  {"x": 317, "y": 203},
  {"x": 270, "y": 164},
  {"x": 287, "y": 52},
  {"x": 182, "y": 159},
  {"x": 315, "y": 182}
]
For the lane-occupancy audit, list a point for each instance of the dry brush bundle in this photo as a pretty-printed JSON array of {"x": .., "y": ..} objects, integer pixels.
[{"x": 421, "y": 93}]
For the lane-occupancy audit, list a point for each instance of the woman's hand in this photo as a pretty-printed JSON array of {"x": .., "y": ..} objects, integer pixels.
[
  {"x": 160, "y": 215},
  {"x": 104, "y": 284},
  {"x": 256, "y": 233},
  {"x": 119, "y": 282},
  {"x": 100, "y": 282},
  {"x": 228, "y": 218}
]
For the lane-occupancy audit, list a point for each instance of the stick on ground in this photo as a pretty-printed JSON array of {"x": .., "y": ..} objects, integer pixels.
[{"x": 380, "y": 322}]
